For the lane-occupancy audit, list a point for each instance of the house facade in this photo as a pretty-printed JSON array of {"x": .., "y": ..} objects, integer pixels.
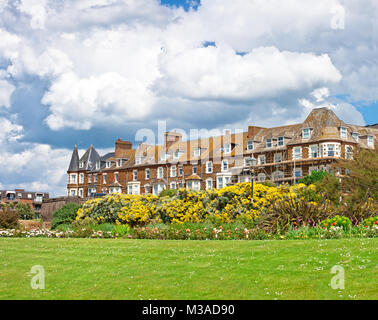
[
  {"x": 284, "y": 154},
  {"x": 34, "y": 199}
]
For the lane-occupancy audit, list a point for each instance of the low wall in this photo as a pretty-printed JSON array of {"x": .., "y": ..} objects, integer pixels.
[{"x": 49, "y": 206}]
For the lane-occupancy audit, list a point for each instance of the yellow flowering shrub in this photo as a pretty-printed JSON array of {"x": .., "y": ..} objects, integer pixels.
[{"x": 226, "y": 204}]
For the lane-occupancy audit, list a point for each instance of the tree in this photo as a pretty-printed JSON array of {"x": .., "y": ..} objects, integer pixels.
[
  {"x": 360, "y": 181},
  {"x": 314, "y": 177},
  {"x": 24, "y": 210}
]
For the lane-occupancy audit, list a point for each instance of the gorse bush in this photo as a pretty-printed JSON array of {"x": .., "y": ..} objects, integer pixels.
[
  {"x": 225, "y": 205},
  {"x": 65, "y": 214}
]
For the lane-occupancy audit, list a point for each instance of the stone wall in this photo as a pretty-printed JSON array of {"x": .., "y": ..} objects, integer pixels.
[{"x": 49, "y": 206}]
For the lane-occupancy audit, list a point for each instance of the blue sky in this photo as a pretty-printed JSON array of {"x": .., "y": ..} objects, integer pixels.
[{"x": 89, "y": 72}]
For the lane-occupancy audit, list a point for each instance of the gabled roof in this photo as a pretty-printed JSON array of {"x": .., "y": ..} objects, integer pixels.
[{"x": 90, "y": 158}]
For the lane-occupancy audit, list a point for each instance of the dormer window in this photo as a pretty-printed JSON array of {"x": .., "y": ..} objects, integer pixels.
[
  {"x": 163, "y": 157},
  {"x": 355, "y": 136},
  {"x": 138, "y": 160},
  {"x": 119, "y": 163},
  {"x": 370, "y": 141},
  {"x": 227, "y": 148},
  {"x": 250, "y": 145},
  {"x": 97, "y": 165},
  {"x": 306, "y": 133},
  {"x": 269, "y": 143},
  {"x": 197, "y": 152},
  {"x": 176, "y": 155},
  {"x": 280, "y": 141},
  {"x": 108, "y": 164},
  {"x": 343, "y": 133},
  {"x": 81, "y": 164}
]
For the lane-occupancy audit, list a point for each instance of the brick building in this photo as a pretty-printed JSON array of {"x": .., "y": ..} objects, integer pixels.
[
  {"x": 34, "y": 199},
  {"x": 283, "y": 154}
]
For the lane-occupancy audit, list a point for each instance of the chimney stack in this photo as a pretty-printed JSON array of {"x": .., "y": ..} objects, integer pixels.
[
  {"x": 121, "y": 148},
  {"x": 253, "y": 130},
  {"x": 171, "y": 137}
]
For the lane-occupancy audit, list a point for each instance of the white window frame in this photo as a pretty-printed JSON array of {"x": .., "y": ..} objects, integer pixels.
[
  {"x": 197, "y": 152},
  {"x": 259, "y": 159},
  {"x": 269, "y": 143},
  {"x": 172, "y": 185},
  {"x": 280, "y": 156},
  {"x": 81, "y": 178},
  {"x": 297, "y": 155},
  {"x": 173, "y": 171},
  {"x": 370, "y": 141},
  {"x": 227, "y": 148},
  {"x": 104, "y": 178},
  {"x": 138, "y": 160},
  {"x": 135, "y": 175},
  {"x": 116, "y": 176},
  {"x": 181, "y": 170},
  {"x": 224, "y": 162},
  {"x": 147, "y": 173},
  {"x": 160, "y": 172},
  {"x": 73, "y": 178},
  {"x": 261, "y": 177},
  {"x": 209, "y": 167},
  {"x": 306, "y": 133},
  {"x": 250, "y": 145},
  {"x": 311, "y": 153},
  {"x": 209, "y": 184},
  {"x": 343, "y": 132},
  {"x": 278, "y": 141},
  {"x": 355, "y": 136},
  {"x": 194, "y": 169},
  {"x": 348, "y": 153}
]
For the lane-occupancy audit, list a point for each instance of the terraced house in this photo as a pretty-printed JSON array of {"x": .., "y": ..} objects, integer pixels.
[{"x": 284, "y": 155}]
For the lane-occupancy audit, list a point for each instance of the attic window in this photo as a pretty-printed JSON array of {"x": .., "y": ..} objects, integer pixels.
[
  {"x": 343, "y": 133},
  {"x": 81, "y": 164},
  {"x": 176, "y": 155},
  {"x": 227, "y": 148},
  {"x": 355, "y": 136},
  {"x": 138, "y": 160},
  {"x": 269, "y": 143},
  {"x": 197, "y": 152},
  {"x": 370, "y": 142},
  {"x": 250, "y": 145},
  {"x": 97, "y": 165},
  {"x": 108, "y": 164},
  {"x": 280, "y": 141},
  {"x": 306, "y": 133}
]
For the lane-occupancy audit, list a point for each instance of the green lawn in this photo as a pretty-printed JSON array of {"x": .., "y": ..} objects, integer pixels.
[{"x": 147, "y": 269}]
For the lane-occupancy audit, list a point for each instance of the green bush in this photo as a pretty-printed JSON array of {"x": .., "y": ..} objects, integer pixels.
[
  {"x": 8, "y": 219},
  {"x": 121, "y": 230},
  {"x": 337, "y": 221},
  {"x": 168, "y": 193},
  {"x": 65, "y": 214},
  {"x": 370, "y": 222},
  {"x": 25, "y": 211},
  {"x": 314, "y": 177}
]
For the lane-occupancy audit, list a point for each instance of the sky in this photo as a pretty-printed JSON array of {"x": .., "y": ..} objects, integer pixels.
[{"x": 92, "y": 71}]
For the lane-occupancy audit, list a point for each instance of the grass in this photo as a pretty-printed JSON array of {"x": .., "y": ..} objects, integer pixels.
[{"x": 149, "y": 269}]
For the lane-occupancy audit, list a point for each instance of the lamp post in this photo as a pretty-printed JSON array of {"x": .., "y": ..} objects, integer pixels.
[{"x": 251, "y": 162}]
